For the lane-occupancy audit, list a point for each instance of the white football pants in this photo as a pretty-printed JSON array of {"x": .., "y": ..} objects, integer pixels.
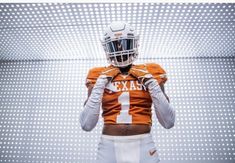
[{"x": 127, "y": 149}]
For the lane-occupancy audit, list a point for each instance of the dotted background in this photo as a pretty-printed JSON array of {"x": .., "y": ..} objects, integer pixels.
[
  {"x": 73, "y": 30},
  {"x": 46, "y": 50},
  {"x": 41, "y": 100}
]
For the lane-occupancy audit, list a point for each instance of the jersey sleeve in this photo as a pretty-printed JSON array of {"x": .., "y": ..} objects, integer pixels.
[
  {"x": 92, "y": 76},
  {"x": 158, "y": 72}
]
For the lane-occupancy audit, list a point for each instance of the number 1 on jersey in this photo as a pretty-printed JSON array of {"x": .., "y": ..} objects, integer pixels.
[{"x": 124, "y": 100}]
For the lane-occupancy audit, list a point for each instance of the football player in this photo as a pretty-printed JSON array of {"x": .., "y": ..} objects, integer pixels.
[{"x": 126, "y": 92}]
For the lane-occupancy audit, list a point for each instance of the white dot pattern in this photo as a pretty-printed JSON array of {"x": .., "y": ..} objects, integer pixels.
[
  {"x": 41, "y": 101},
  {"x": 38, "y": 31}
]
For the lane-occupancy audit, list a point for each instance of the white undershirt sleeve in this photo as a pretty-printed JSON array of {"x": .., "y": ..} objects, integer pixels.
[
  {"x": 164, "y": 111},
  {"x": 90, "y": 114}
]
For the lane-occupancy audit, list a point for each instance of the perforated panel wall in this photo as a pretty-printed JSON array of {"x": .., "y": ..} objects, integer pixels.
[
  {"x": 41, "y": 101},
  {"x": 72, "y": 31}
]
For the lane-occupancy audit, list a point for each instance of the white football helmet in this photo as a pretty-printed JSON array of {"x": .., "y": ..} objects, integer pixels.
[{"x": 120, "y": 44}]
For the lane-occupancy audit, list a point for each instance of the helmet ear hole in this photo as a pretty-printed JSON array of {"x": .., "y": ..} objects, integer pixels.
[{"x": 120, "y": 44}]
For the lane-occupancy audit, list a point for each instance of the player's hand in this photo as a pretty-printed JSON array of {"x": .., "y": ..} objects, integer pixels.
[
  {"x": 110, "y": 72},
  {"x": 141, "y": 73}
]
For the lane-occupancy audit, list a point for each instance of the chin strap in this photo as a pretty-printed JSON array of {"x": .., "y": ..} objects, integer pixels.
[
  {"x": 164, "y": 111},
  {"x": 90, "y": 114}
]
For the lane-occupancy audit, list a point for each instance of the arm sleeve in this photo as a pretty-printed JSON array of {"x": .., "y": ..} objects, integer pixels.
[
  {"x": 164, "y": 111},
  {"x": 91, "y": 109}
]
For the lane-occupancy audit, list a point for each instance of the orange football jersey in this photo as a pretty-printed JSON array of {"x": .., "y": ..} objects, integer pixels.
[{"x": 125, "y": 100}]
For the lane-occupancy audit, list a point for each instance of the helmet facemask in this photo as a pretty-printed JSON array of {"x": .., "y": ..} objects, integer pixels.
[{"x": 121, "y": 52}]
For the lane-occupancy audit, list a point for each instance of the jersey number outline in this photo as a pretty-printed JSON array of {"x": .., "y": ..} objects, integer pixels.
[{"x": 124, "y": 116}]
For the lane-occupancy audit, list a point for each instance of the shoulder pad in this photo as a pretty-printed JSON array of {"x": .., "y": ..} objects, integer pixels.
[
  {"x": 92, "y": 75},
  {"x": 157, "y": 71}
]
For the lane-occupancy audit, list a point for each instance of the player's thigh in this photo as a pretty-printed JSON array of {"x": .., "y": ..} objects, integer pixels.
[
  {"x": 106, "y": 152},
  {"x": 149, "y": 152}
]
